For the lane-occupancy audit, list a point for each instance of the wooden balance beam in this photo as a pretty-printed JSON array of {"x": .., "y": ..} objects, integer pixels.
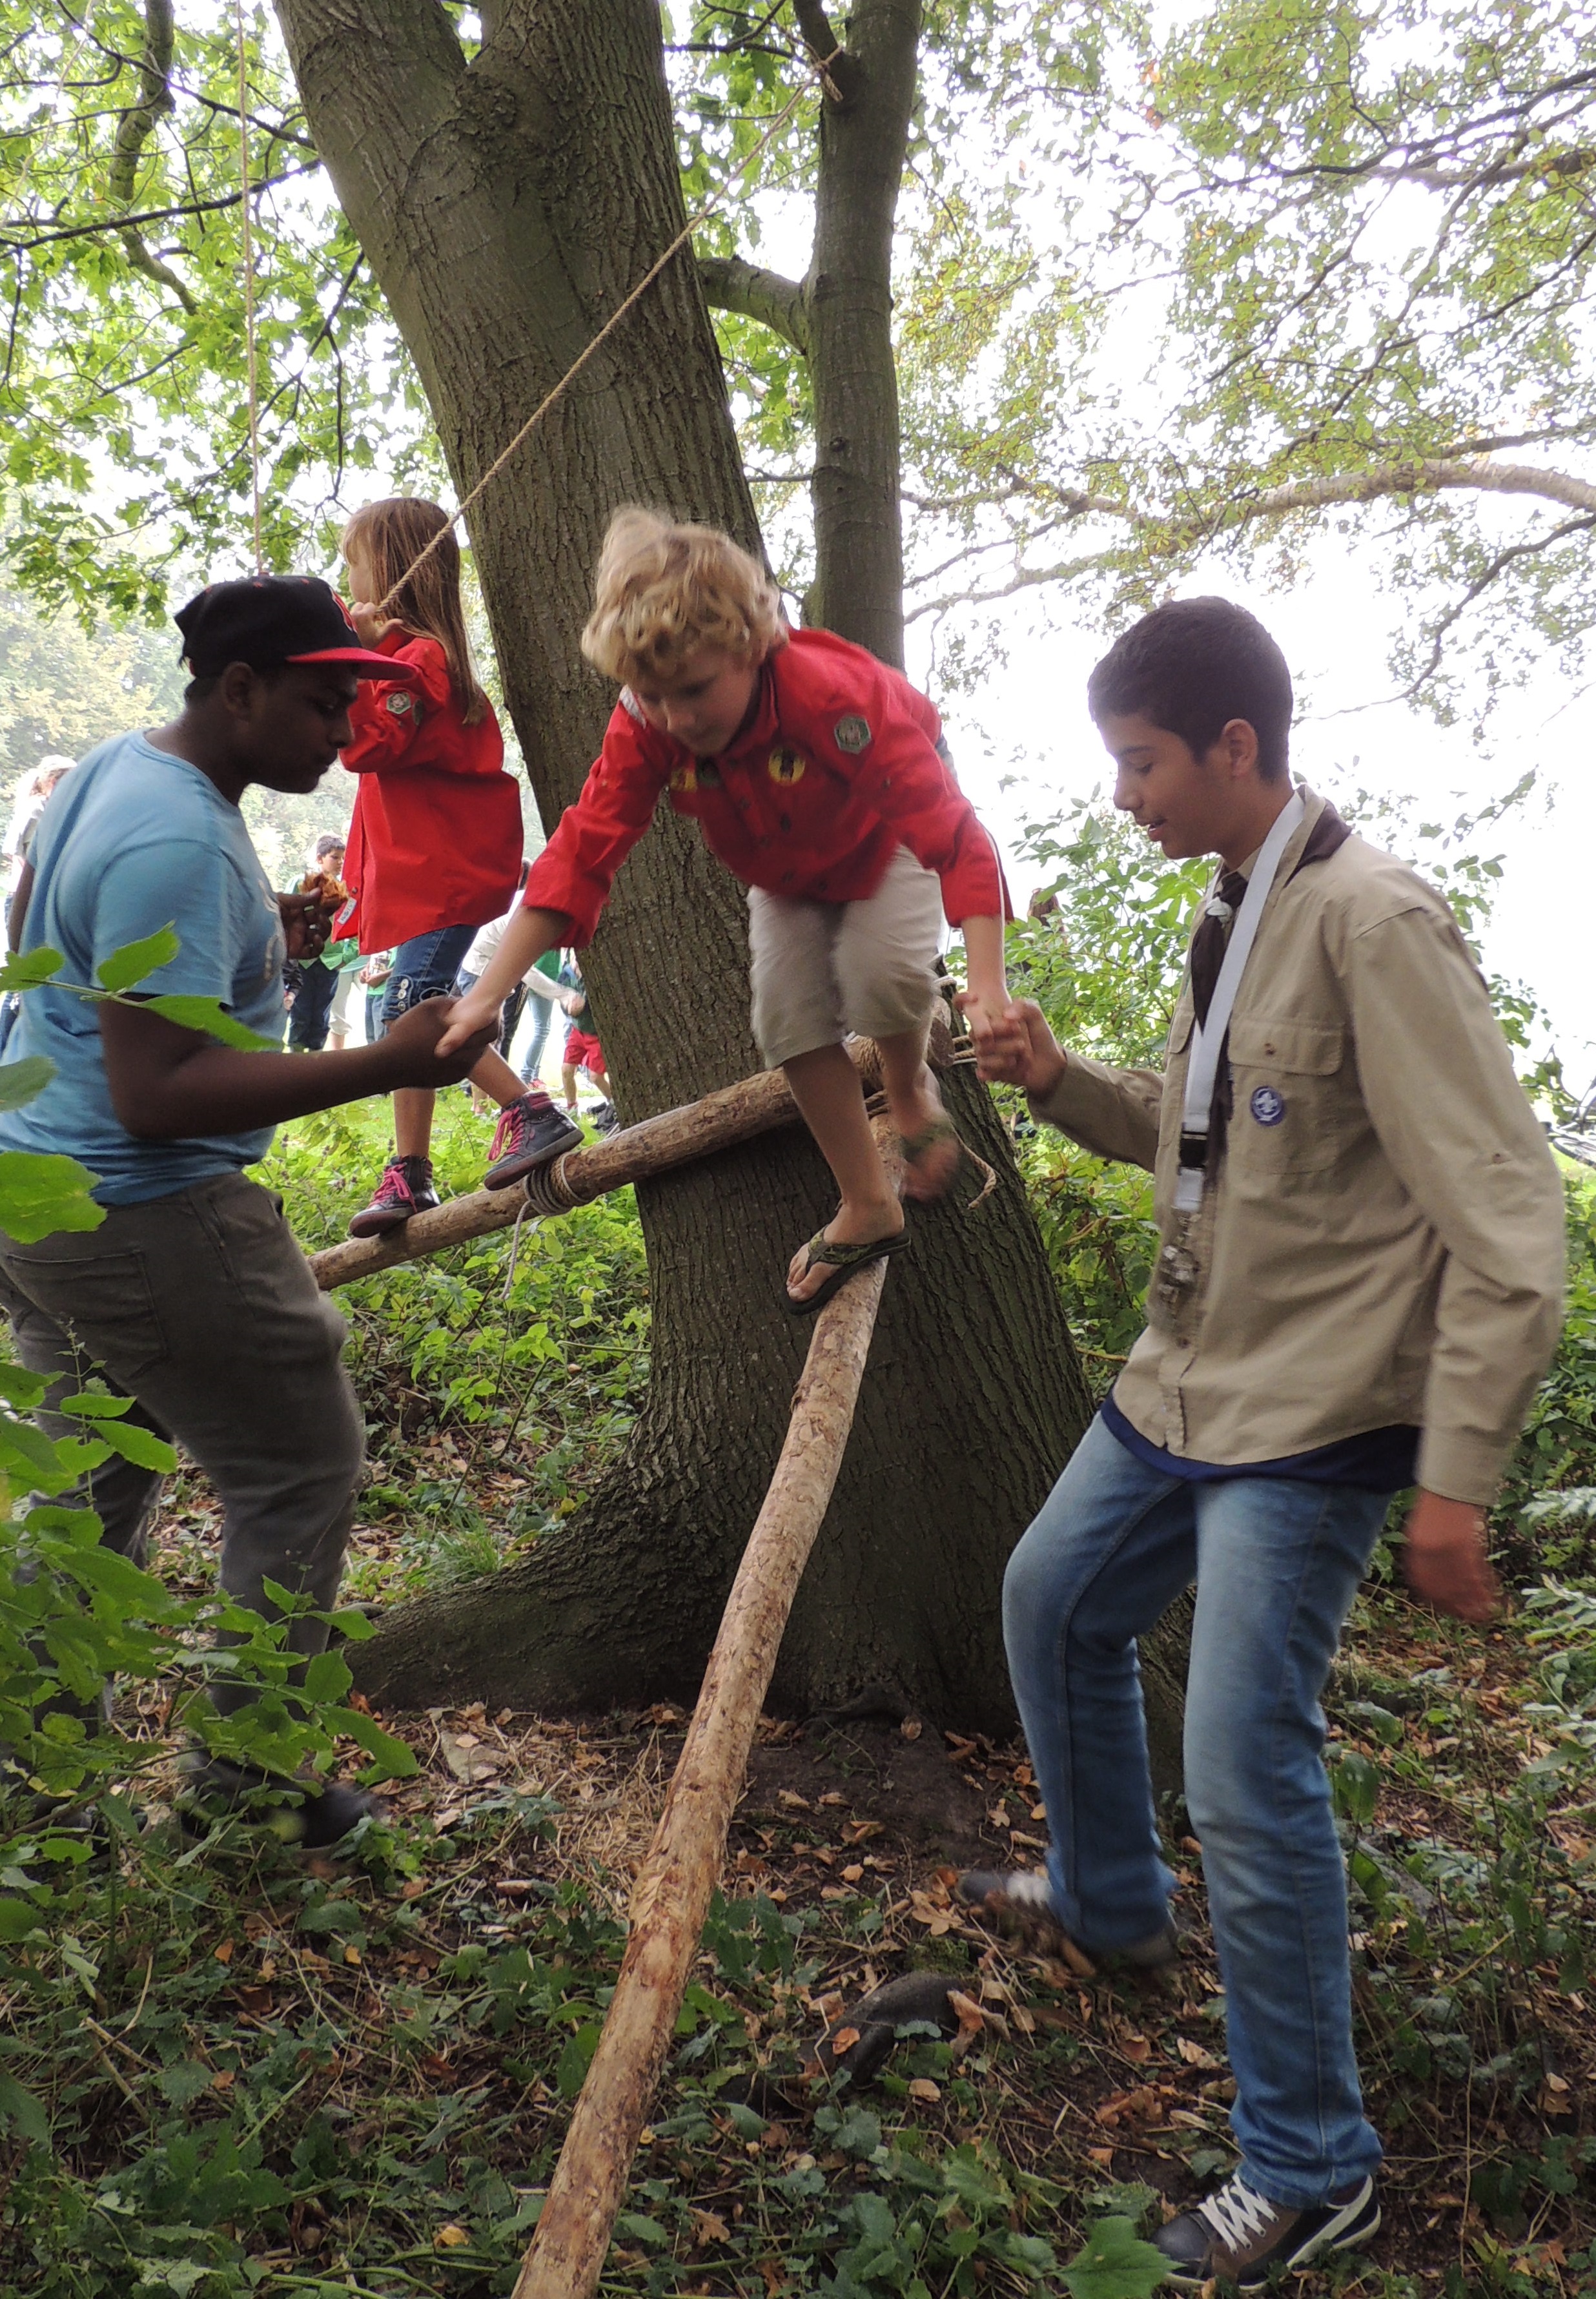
[{"x": 719, "y": 1120}]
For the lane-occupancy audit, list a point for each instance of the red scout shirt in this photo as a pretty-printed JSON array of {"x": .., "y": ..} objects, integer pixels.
[
  {"x": 835, "y": 770},
  {"x": 436, "y": 835}
]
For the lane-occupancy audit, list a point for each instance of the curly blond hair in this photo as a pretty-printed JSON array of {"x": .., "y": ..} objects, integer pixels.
[{"x": 664, "y": 590}]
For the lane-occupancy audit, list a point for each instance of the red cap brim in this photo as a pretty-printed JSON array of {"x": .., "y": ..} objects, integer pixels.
[{"x": 363, "y": 662}]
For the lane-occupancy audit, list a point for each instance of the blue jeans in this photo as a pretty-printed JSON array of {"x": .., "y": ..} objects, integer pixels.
[
  {"x": 537, "y": 1037},
  {"x": 426, "y": 967},
  {"x": 1277, "y": 1563}
]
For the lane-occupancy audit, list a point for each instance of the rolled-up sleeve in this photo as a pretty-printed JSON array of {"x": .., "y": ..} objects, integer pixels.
[
  {"x": 1454, "y": 1122},
  {"x": 1112, "y": 1113}
]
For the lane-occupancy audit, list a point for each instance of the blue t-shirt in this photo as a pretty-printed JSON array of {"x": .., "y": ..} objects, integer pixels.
[{"x": 131, "y": 842}]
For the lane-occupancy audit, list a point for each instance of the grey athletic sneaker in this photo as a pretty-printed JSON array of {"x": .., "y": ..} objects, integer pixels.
[
  {"x": 1019, "y": 1900},
  {"x": 1241, "y": 2237}
]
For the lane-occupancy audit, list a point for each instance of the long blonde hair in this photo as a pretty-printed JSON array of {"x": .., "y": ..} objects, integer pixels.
[
  {"x": 394, "y": 533},
  {"x": 663, "y": 590}
]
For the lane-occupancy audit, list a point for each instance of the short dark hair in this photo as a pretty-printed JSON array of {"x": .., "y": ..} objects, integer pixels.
[
  {"x": 1192, "y": 666},
  {"x": 331, "y": 841},
  {"x": 200, "y": 690}
]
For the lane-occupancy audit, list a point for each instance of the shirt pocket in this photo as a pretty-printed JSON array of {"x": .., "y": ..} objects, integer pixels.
[{"x": 1296, "y": 1107}]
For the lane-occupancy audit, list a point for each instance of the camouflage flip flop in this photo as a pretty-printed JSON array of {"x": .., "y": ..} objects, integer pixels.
[
  {"x": 916, "y": 1148},
  {"x": 845, "y": 1261}
]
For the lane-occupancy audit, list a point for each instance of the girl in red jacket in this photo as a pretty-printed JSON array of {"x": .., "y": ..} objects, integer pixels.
[
  {"x": 434, "y": 849},
  {"x": 819, "y": 776}
]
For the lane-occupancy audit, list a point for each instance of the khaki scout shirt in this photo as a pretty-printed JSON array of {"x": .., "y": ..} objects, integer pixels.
[{"x": 1381, "y": 1236}]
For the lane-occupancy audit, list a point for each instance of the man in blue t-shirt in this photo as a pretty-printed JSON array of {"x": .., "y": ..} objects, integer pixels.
[{"x": 192, "y": 1296}]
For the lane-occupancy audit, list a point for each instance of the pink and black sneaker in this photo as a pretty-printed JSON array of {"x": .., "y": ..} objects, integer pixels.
[
  {"x": 405, "y": 1188},
  {"x": 529, "y": 1133}
]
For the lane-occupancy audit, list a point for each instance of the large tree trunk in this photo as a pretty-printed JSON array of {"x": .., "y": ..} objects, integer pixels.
[
  {"x": 506, "y": 206},
  {"x": 853, "y": 371}
]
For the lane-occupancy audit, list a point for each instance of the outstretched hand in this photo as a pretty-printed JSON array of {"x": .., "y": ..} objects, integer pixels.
[
  {"x": 1013, "y": 1046},
  {"x": 1445, "y": 1560}
]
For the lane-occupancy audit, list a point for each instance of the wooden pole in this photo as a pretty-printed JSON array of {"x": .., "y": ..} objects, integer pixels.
[
  {"x": 671, "y": 1898},
  {"x": 736, "y": 1113}
]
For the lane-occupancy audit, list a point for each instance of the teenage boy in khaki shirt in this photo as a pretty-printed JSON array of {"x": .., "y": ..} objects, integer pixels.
[{"x": 1359, "y": 1286}]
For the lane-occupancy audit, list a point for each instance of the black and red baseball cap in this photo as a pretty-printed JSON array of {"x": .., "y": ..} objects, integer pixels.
[{"x": 267, "y": 620}]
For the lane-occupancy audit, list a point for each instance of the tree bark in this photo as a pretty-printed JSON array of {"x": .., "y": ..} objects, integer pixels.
[
  {"x": 856, "y": 487},
  {"x": 506, "y": 206}
]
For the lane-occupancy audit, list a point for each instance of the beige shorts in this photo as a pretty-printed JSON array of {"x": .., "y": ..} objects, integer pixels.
[{"x": 820, "y": 969}]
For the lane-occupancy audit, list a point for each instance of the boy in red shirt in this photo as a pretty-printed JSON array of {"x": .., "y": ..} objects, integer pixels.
[{"x": 819, "y": 778}]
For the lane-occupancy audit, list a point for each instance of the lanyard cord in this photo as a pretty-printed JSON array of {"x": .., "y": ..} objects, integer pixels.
[{"x": 1208, "y": 1038}]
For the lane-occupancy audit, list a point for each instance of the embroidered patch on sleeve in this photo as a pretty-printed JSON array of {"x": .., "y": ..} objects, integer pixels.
[
  {"x": 685, "y": 779},
  {"x": 787, "y": 766},
  {"x": 400, "y": 702},
  {"x": 852, "y": 733}
]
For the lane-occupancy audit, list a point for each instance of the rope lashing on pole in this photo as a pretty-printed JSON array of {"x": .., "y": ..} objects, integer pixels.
[
  {"x": 817, "y": 76},
  {"x": 671, "y": 1896},
  {"x": 722, "y": 1120}
]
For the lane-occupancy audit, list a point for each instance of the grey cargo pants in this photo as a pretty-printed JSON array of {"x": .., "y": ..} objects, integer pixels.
[{"x": 202, "y": 1308}]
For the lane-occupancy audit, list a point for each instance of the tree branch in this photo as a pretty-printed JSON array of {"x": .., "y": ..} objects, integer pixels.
[
  {"x": 730, "y": 284},
  {"x": 134, "y": 131},
  {"x": 150, "y": 215},
  {"x": 1424, "y": 475}
]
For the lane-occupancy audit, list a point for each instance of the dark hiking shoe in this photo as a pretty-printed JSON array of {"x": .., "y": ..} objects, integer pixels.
[
  {"x": 529, "y": 1133},
  {"x": 1019, "y": 1901},
  {"x": 1241, "y": 2237},
  {"x": 405, "y": 1188},
  {"x": 312, "y": 1815},
  {"x": 603, "y": 1115}
]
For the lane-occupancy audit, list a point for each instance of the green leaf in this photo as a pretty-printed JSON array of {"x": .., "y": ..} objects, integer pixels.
[
  {"x": 93, "y": 1405},
  {"x": 136, "y": 961},
  {"x": 326, "y": 1677},
  {"x": 30, "y": 1446},
  {"x": 23, "y": 1081},
  {"x": 571, "y": 2073},
  {"x": 18, "y": 1918},
  {"x": 1115, "y": 2263},
  {"x": 139, "y": 1445},
  {"x": 41, "y": 1193},
  {"x": 390, "y": 1759},
  {"x": 641, "y": 2228},
  {"x": 210, "y": 1017},
  {"x": 20, "y": 2108},
  {"x": 19, "y": 973}
]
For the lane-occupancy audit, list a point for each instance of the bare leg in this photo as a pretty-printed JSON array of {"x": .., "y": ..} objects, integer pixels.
[
  {"x": 601, "y": 1078},
  {"x": 915, "y": 1102},
  {"x": 338, "y": 1045},
  {"x": 413, "y": 1120},
  {"x": 825, "y": 1086},
  {"x": 569, "y": 1076},
  {"x": 494, "y": 1077}
]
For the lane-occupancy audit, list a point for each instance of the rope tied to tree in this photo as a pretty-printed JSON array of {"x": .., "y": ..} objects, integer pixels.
[{"x": 818, "y": 75}]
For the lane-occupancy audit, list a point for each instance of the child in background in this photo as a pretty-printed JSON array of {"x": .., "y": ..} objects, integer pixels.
[
  {"x": 582, "y": 1050},
  {"x": 818, "y": 776},
  {"x": 435, "y": 842}
]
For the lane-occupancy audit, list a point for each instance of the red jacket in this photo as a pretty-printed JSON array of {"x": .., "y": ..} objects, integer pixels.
[
  {"x": 436, "y": 835},
  {"x": 837, "y": 766}
]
